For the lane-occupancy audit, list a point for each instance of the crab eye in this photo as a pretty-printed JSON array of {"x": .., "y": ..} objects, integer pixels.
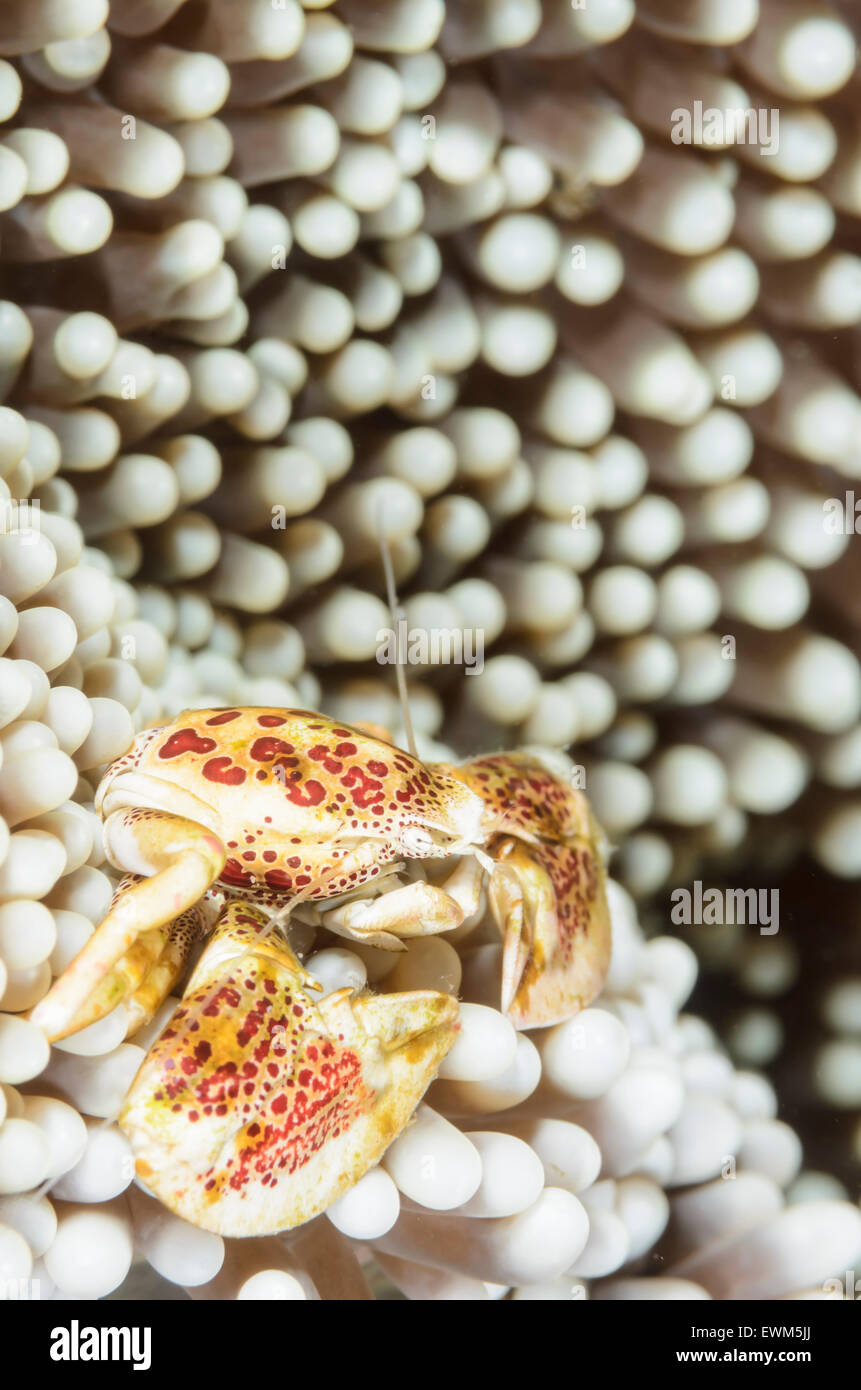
[{"x": 417, "y": 842}]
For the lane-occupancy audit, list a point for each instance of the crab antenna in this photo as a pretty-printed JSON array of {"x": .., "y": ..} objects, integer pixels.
[{"x": 396, "y": 612}]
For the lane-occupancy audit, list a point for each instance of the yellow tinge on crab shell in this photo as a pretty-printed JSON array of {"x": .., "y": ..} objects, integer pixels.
[
  {"x": 258, "y": 1106},
  {"x": 547, "y": 887},
  {"x": 273, "y": 805}
]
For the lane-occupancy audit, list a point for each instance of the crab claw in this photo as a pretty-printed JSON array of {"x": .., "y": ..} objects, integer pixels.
[
  {"x": 550, "y": 904},
  {"x": 258, "y": 1105}
]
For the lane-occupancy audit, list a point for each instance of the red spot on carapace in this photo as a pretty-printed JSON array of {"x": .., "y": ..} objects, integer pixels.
[
  {"x": 225, "y": 717},
  {"x": 186, "y": 741},
  {"x": 270, "y": 721},
  {"x": 321, "y": 754},
  {"x": 311, "y": 794},
  {"x": 364, "y": 789},
  {"x": 223, "y": 770}
]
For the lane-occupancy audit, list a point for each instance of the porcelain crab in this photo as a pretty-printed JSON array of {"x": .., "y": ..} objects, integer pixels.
[{"x": 259, "y": 1104}]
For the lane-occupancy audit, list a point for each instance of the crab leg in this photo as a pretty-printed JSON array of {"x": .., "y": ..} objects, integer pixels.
[
  {"x": 161, "y": 974},
  {"x": 416, "y": 909},
  {"x": 181, "y": 860},
  {"x": 550, "y": 907},
  {"x": 516, "y": 917},
  {"x": 145, "y": 973},
  {"x": 242, "y": 928}
]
